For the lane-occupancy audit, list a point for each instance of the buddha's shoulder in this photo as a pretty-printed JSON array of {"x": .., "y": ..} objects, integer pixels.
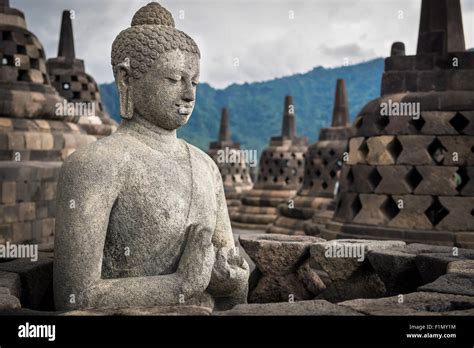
[
  {"x": 203, "y": 157},
  {"x": 104, "y": 153}
]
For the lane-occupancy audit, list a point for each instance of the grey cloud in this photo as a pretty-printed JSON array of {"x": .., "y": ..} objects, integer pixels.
[{"x": 260, "y": 33}]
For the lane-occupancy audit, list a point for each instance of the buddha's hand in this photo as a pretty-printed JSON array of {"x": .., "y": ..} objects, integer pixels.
[
  {"x": 195, "y": 266},
  {"x": 230, "y": 273}
]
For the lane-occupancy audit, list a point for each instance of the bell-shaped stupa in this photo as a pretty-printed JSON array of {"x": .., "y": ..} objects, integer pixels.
[
  {"x": 232, "y": 164},
  {"x": 280, "y": 175},
  {"x": 68, "y": 76},
  {"x": 410, "y": 173},
  {"x": 322, "y": 165}
]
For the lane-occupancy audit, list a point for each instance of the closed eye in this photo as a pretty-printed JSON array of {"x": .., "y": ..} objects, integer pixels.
[{"x": 173, "y": 78}]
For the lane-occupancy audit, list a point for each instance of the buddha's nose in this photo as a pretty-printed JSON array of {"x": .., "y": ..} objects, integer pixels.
[{"x": 188, "y": 93}]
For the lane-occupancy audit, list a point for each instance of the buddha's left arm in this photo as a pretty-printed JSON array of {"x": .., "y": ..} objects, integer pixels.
[{"x": 231, "y": 272}]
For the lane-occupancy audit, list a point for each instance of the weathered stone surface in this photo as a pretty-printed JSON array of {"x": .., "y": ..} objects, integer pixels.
[
  {"x": 277, "y": 288},
  {"x": 8, "y": 302},
  {"x": 36, "y": 281},
  {"x": 417, "y": 303},
  {"x": 432, "y": 266},
  {"x": 310, "y": 278},
  {"x": 452, "y": 283},
  {"x": 317, "y": 307},
  {"x": 342, "y": 267},
  {"x": 397, "y": 270},
  {"x": 277, "y": 254},
  {"x": 461, "y": 267},
  {"x": 11, "y": 282},
  {"x": 351, "y": 274},
  {"x": 282, "y": 267},
  {"x": 142, "y": 311},
  {"x": 150, "y": 224}
]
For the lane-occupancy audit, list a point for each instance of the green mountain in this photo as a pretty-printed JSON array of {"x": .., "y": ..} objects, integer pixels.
[{"x": 256, "y": 108}]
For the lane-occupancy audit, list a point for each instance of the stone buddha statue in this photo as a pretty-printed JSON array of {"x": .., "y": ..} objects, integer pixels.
[{"x": 141, "y": 215}]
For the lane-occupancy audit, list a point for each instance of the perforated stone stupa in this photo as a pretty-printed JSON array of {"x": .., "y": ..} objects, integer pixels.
[
  {"x": 68, "y": 76},
  {"x": 322, "y": 164},
  {"x": 410, "y": 177},
  {"x": 33, "y": 143},
  {"x": 280, "y": 175},
  {"x": 25, "y": 90},
  {"x": 231, "y": 163}
]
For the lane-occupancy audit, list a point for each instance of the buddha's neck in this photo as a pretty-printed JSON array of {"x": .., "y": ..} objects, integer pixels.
[{"x": 156, "y": 137}]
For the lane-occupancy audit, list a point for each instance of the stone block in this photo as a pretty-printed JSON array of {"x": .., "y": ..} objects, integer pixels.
[
  {"x": 459, "y": 217},
  {"x": 453, "y": 283},
  {"x": 397, "y": 270},
  {"x": 36, "y": 281},
  {"x": 437, "y": 180},
  {"x": 22, "y": 231},
  {"x": 8, "y": 192},
  {"x": 26, "y": 211},
  {"x": 316, "y": 307},
  {"x": 416, "y": 303},
  {"x": 275, "y": 254},
  {"x": 358, "y": 151},
  {"x": 11, "y": 281},
  {"x": 415, "y": 150},
  {"x": 9, "y": 302},
  {"x": 382, "y": 150}
]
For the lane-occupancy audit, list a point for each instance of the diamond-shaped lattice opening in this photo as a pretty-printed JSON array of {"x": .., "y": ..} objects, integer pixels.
[
  {"x": 324, "y": 185},
  {"x": 461, "y": 178},
  {"x": 363, "y": 149},
  {"x": 459, "y": 122},
  {"x": 332, "y": 173},
  {"x": 20, "y": 49},
  {"x": 394, "y": 148},
  {"x": 389, "y": 208},
  {"x": 350, "y": 176},
  {"x": 317, "y": 173},
  {"x": 374, "y": 178},
  {"x": 418, "y": 123},
  {"x": 436, "y": 212},
  {"x": 413, "y": 178},
  {"x": 7, "y": 36},
  {"x": 287, "y": 180},
  {"x": 331, "y": 152},
  {"x": 356, "y": 206},
  {"x": 23, "y": 76},
  {"x": 358, "y": 122},
  {"x": 34, "y": 63},
  {"x": 437, "y": 151},
  {"x": 381, "y": 122}
]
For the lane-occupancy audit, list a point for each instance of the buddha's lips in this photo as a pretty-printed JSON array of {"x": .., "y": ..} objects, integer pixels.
[{"x": 185, "y": 109}]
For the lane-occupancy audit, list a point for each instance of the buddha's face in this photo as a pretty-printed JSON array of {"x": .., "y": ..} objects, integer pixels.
[{"x": 166, "y": 93}]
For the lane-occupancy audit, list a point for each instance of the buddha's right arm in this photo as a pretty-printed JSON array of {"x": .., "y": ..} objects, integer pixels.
[{"x": 87, "y": 190}]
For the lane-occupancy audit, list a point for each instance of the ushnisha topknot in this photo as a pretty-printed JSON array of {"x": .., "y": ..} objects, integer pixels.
[
  {"x": 153, "y": 14},
  {"x": 152, "y": 33}
]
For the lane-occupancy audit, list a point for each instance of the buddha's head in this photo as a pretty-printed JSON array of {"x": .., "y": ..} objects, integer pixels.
[{"x": 156, "y": 68}]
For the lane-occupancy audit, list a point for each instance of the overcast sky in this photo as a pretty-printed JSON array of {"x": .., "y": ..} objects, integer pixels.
[{"x": 270, "y": 38}]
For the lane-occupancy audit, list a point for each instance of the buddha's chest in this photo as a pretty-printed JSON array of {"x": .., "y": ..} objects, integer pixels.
[{"x": 157, "y": 194}]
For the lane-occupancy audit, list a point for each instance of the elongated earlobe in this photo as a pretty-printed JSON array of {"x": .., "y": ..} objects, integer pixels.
[{"x": 125, "y": 90}]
